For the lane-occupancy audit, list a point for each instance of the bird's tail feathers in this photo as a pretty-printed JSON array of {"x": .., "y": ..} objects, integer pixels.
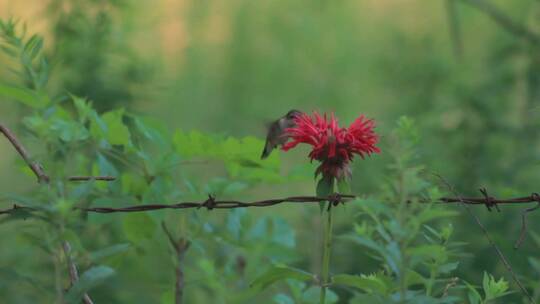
[{"x": 266, "y": 151}]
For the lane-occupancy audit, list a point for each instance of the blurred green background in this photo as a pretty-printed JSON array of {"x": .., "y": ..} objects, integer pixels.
[{"x": 230, "y": 66}]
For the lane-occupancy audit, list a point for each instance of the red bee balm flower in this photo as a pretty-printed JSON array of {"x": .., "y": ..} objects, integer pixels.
[{"x": 333, "y": 146}]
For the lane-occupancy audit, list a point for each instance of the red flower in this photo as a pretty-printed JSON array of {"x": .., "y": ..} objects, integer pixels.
[{"x": 333, "y": 146}]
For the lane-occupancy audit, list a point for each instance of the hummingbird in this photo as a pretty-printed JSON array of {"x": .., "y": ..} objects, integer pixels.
[{"x": 276, "y": 132}]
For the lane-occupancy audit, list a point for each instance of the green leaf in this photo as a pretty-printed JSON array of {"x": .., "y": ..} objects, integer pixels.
[
  {"x": 390, "y": 253},
  {"x": 105, "y": 167},
  {"x": 195, "y": 144},
  {"x": 241, "y": 156},
  {"x": 370, "y": 283},
  {"x": 69, "y": 131},
  {"x": 33, "y": 46},
  {"x": 111, "y": 127},
  {"x": 17, "y": 214},
  {"x": 83, "y": 107},
  {"x": 448, "y": 267},
  {"x": 492, "y": 288},
  {"x": 88, "y": 280},
  {"x": 325, "y": 187},
  {"x": 153, "y": 131},
  {"x": 24, "y": 96},
  {"x": 414, "y": 278},
  {"x": 279, "y": 273},
  {"x": 138, "y": 226},
  {"x": 343, "y": 186},
  {"x": 473, "y": 295},
  {"x": 434, "y": 252}
]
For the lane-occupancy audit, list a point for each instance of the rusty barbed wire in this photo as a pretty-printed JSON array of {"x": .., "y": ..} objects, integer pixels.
[
  {"x": 489, "y": 201},
  {"x": 212, "y": 203},
  {"x": 334, "y": 200},
  {"x": 209, "y": 204}
]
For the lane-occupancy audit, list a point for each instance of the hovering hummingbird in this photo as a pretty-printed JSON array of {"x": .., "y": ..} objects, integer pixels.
[{"x": 276, "y": 132}]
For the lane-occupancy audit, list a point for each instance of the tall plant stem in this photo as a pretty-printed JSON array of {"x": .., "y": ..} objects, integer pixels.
[{"x": 327, "y": 249}]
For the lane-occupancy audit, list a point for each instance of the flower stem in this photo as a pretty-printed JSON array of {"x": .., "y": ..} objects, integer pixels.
[{"x": 327, "y": 248}]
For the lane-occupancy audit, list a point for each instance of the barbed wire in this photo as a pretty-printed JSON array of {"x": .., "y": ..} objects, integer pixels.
[
  {"x": 489, "y": 203},
  {"x": 211, "y": 203}
]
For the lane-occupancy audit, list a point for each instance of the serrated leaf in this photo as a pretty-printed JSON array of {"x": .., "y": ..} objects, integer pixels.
[
  {"x": 492, "y": 288},
  {"x": 110, "y": 126}
]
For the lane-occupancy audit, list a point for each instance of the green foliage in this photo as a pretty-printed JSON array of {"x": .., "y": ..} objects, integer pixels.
[
  {"x": 371, "y": 284},
  {"x": 279, "y": 273},
  {"x": 76, "y": 140},
  {"x": 325, "y": 187},
  {"x": 92, "y": 54},
  {"x": 492, "y": 288},
  {"x": 240, "y": 156},
  {"x": 473, "y": 120},
  {"x": 414, "y": 257},
  {"x": 88, "y": 280}
]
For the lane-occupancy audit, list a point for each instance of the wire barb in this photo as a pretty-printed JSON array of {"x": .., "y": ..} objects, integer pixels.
[
  {"x": 210, "y": 203},
  {"x": 491, "y": 242},
  {"x": 490, "y": 201}
]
